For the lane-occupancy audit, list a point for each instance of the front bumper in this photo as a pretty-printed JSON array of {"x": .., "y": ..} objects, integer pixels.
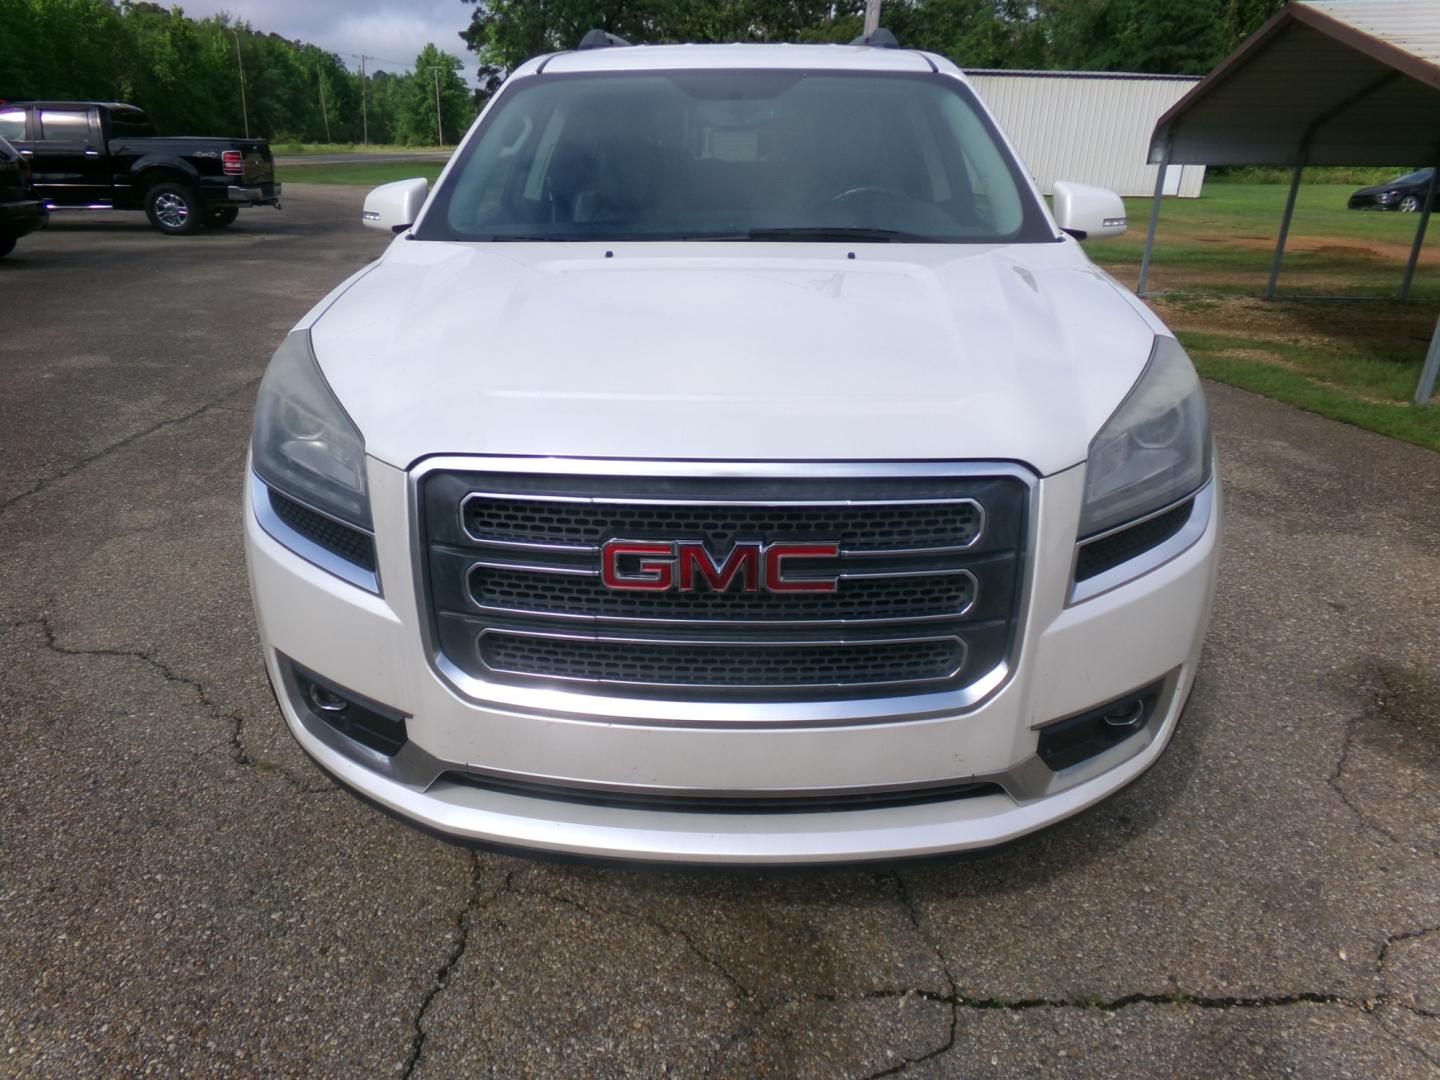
[
  {"x": 22, "y": 217},
  {"x": 1139, "y": 633}
]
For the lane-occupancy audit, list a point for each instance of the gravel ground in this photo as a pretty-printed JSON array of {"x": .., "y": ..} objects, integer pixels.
[{"x": 181, "y": 892}]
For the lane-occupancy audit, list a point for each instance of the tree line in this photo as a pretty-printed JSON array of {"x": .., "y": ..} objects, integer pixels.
[
  {"x": 186, "y": 73},
  {"x": 1180, "y": 37}
]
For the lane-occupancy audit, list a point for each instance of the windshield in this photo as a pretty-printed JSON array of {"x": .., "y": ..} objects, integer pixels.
[
  {"x": 1421, "y": 177},
  {"x": 745, "y": 155}
]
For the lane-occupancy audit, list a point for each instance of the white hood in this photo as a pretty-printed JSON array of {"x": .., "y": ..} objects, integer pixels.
[{"x": 732, "y": 352}]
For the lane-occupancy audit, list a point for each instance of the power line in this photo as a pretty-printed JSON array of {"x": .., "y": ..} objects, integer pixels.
[{"x": 386, "y": 59}]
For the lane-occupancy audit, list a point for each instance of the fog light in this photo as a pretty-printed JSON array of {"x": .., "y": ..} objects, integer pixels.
[
  {"x": 367, "y": 722},
  {"x": 325, "y": 701},
  {"x": 1071, "y": 741},
  {"x": 1129, "y": 715}
]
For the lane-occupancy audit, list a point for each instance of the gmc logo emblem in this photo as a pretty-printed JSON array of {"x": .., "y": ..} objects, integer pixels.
[{"x": 683, "y": 564}]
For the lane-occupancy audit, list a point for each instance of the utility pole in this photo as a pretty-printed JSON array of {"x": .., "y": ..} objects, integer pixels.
[
  {"x": 244, "y": 109},
  {"x": 439, "y": 134},
  {"x": 320, "y": 79},
  {"x": 364, "y": 115},
  {"x": 872, "y": 16}
]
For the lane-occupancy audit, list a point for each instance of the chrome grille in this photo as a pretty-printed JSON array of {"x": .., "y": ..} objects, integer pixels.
[
  {"x": 929, "y": 581},
  {"x": 503, "y": 520},
  {"x": 504, "y": 589},
  {"x": 737, "y": 666}
]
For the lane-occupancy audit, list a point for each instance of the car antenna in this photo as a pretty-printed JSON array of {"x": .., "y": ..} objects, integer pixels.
[
  {"x": 600, "y": 39},
  {"x": 876, "y": 39}
]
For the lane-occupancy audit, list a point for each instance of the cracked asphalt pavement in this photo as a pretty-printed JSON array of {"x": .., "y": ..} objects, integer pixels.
[{"x": 181, "y": 892}]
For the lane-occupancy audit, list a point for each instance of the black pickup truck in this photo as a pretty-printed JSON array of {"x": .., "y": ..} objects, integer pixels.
[{"x": 89, "y": 155}]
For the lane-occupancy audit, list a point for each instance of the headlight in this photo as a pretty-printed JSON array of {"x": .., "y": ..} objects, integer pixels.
[
  {"x": 303, "y": 443},
  {"x": 1155, "y": 450},
  {"x": 1387, "y": 196}
]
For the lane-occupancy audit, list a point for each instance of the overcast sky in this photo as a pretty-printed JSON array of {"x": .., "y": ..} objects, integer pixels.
[{"x": 390, "y": 30}]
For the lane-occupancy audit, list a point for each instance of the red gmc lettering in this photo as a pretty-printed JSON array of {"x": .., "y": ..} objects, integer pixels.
[
  {"x": 658, "y": 567},
  {"x": 775, "y": 556},
  {"x": 656, "y": 571},
  {"x": 744, "y": 558}
]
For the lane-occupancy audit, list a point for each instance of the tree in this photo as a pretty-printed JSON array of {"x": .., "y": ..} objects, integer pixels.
[
  {"x": 436, "y": 69},
  {"x": 1163, "y": 36}
]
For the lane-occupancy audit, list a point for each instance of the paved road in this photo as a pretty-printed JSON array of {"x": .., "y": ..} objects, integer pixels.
[
  {"x": 361, "y": 158},
  {"x": 180, "y": 892}
]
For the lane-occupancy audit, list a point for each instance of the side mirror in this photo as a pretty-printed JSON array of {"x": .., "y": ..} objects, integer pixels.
[
  {"x": 394, "y": 207},
  {"x": 1087, "y": 212}
]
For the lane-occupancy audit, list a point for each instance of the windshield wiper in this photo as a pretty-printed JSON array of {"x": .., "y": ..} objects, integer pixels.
[{"x": 839, "y": 234}]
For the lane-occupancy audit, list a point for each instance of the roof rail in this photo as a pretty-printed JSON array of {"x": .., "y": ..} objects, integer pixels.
[
  {"x": 878, "y": 39},
  {"x": 599, "y": 39}
]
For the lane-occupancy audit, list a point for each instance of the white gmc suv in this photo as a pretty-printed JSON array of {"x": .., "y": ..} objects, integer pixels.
[{"x": 732, "y": 460}]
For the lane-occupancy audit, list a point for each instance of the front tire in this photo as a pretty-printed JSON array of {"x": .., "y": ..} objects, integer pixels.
[
  {"x": 1409, "y": 204},
  {"x": 220, "y": 216},
  {"x": 172, "y": 208},
  {"x": 7, "y": 245}
]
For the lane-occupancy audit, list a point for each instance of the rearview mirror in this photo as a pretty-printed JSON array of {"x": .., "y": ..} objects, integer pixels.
[
  {"x": 1087, "y": 212},
  {"x": 394, "y": 207}
]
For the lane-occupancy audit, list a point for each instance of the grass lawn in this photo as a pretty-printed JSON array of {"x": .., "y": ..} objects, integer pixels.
[
  {"x": 1223, "y": 242},
  {"x": 292, "y": 149},
  {"x": 360, "y": 175},
  {"x": 1355, "y": 361}
]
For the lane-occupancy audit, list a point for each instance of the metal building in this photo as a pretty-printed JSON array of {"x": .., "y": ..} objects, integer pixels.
[{"x": 1089, "y": 126}]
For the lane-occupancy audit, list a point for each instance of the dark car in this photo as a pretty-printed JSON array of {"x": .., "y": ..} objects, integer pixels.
[
  {"x": 1404, "y": 193},
  {"x": 105, "y": 155},
  {"x": 21, "y": 211}
]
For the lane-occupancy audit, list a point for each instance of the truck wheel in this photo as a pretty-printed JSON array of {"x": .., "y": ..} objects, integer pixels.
[
  {"x": 171, "y": 208},
  {"x": 7, "y": 245},
  {"x": 220, "y": 216}
]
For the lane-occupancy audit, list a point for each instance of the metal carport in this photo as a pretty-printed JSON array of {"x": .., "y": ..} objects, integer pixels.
[{"x": 1325, "y": 82}]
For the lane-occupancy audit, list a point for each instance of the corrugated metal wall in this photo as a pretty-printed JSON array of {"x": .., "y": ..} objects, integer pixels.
[{"x": 1093, "y": 128}]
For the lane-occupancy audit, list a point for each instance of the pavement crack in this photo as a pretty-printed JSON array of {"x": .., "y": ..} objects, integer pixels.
[
  {"x": 952, "y": 999},
  {"x": 1275, "y": 1001},
  {"x": 1396, "y": 938},
  {"x": 1097, "y": 1004},
  {"x": 691, "y": 944},
  {"x": 44, "y": 482},
  {"x": 235, "y": 722},
  {"x": 1378, "y": 704},
  {"x": 461, "y": 940}
]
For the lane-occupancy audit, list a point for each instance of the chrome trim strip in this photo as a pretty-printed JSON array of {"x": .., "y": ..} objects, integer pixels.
[
  {"x": 530, "y": 568},
  {"x": 1194, "y": 528},
  {"x": 301, "y": 545},
  {"x": 718, "y": 643},
  {"x": 708, "y": 469},
  {"x": 535, "y": 546},
  {"x": 1095, "y": 537},
  {"x": 581, "y": 500},
  {"x": 323, "y": 513},
  {"x": 844, "y": 575},
  {"x": 607, "y": 500},
  {"x": 931, "y": 571},
  {"x": 722, "y": 687},
  {"x": 752, "y": 624},
  {"x": 577, "y": 705},
  {"x": 652, "y": 620},
  {"x": 529, "y": 545}
]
